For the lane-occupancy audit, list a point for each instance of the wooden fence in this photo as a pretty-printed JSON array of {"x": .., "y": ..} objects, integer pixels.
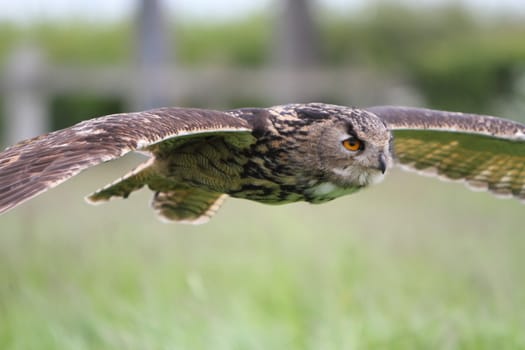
[{"x": 28, "y": 82}]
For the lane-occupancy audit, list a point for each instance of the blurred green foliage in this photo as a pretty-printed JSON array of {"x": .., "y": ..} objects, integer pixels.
[
  {"x": 455, "y": 59},
  {"x": 74, "y": 42},
  {"x": 243, "y": 43},
  {"x": 71, "y": 109},
  {"x": 393, "y": 36}
]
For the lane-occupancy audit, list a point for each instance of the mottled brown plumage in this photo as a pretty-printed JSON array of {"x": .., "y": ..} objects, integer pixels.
[
  {"x": 298, "y": 152},
  {"x": 485, "y": 152}
]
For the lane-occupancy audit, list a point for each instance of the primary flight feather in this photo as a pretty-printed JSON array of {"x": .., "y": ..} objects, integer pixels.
[{"x": 298, "y": 152}]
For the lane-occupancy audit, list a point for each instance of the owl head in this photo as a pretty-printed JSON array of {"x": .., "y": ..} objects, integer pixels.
[{"x": 351, "y": 147}]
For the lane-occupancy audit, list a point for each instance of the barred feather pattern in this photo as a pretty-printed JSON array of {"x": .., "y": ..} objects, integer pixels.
[
  {"x": 35, "y": 165},
  {"x": 485, "y": 152}
]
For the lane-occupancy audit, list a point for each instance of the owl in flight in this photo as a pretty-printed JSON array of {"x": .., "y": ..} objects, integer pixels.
[{"x": 297, "y": 152}]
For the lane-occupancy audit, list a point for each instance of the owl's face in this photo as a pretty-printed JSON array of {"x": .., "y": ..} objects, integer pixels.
[{"x": 355, "y": 149}]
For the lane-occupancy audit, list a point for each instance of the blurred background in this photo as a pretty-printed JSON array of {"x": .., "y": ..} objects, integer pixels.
[{"x": 410, "y": 263}]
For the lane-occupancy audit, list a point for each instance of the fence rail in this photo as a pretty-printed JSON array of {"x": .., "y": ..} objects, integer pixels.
[{"x": 28, "y": 83}]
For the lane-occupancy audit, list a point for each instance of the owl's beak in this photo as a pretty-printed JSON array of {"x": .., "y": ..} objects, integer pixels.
[{"x": 382, "y": 163}]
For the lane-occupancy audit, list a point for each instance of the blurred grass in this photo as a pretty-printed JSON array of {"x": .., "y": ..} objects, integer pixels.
[{"x": 412, "y": 263}]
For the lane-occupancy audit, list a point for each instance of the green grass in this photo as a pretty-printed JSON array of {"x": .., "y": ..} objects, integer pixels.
[{"x": 412, "y": 263}]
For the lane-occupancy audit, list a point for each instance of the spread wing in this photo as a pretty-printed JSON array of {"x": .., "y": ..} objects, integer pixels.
[
  {"x": 488, "y": 153},
  {"x": 36, "y": 165}
]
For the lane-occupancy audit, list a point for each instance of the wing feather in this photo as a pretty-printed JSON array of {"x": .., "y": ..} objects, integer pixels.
[
  {"x": 38, "y": 164},
  {"x": 488, "y": 153}
]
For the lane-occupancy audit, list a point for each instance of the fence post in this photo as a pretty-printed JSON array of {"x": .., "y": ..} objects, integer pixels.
[
  {"x": 297, "y": 46},
  {"x": 25, "y": 99},
  {"x": 297, "y": 35},
  {"x": 152, "y": 53}
]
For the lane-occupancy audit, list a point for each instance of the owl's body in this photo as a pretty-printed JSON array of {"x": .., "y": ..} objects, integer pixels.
[
  {"x": 298, "y": 152},
  {"x": 268, "y": 165}
]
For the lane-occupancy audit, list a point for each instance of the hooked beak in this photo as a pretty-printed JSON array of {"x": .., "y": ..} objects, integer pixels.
[{"x": 382, "y": 163}]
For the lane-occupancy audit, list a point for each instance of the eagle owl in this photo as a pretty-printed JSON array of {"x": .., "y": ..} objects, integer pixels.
[{"x": 297, "y": 152}]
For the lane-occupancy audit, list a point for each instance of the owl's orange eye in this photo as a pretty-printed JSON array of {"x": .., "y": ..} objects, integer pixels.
[{"x": 353, "y": 144}]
